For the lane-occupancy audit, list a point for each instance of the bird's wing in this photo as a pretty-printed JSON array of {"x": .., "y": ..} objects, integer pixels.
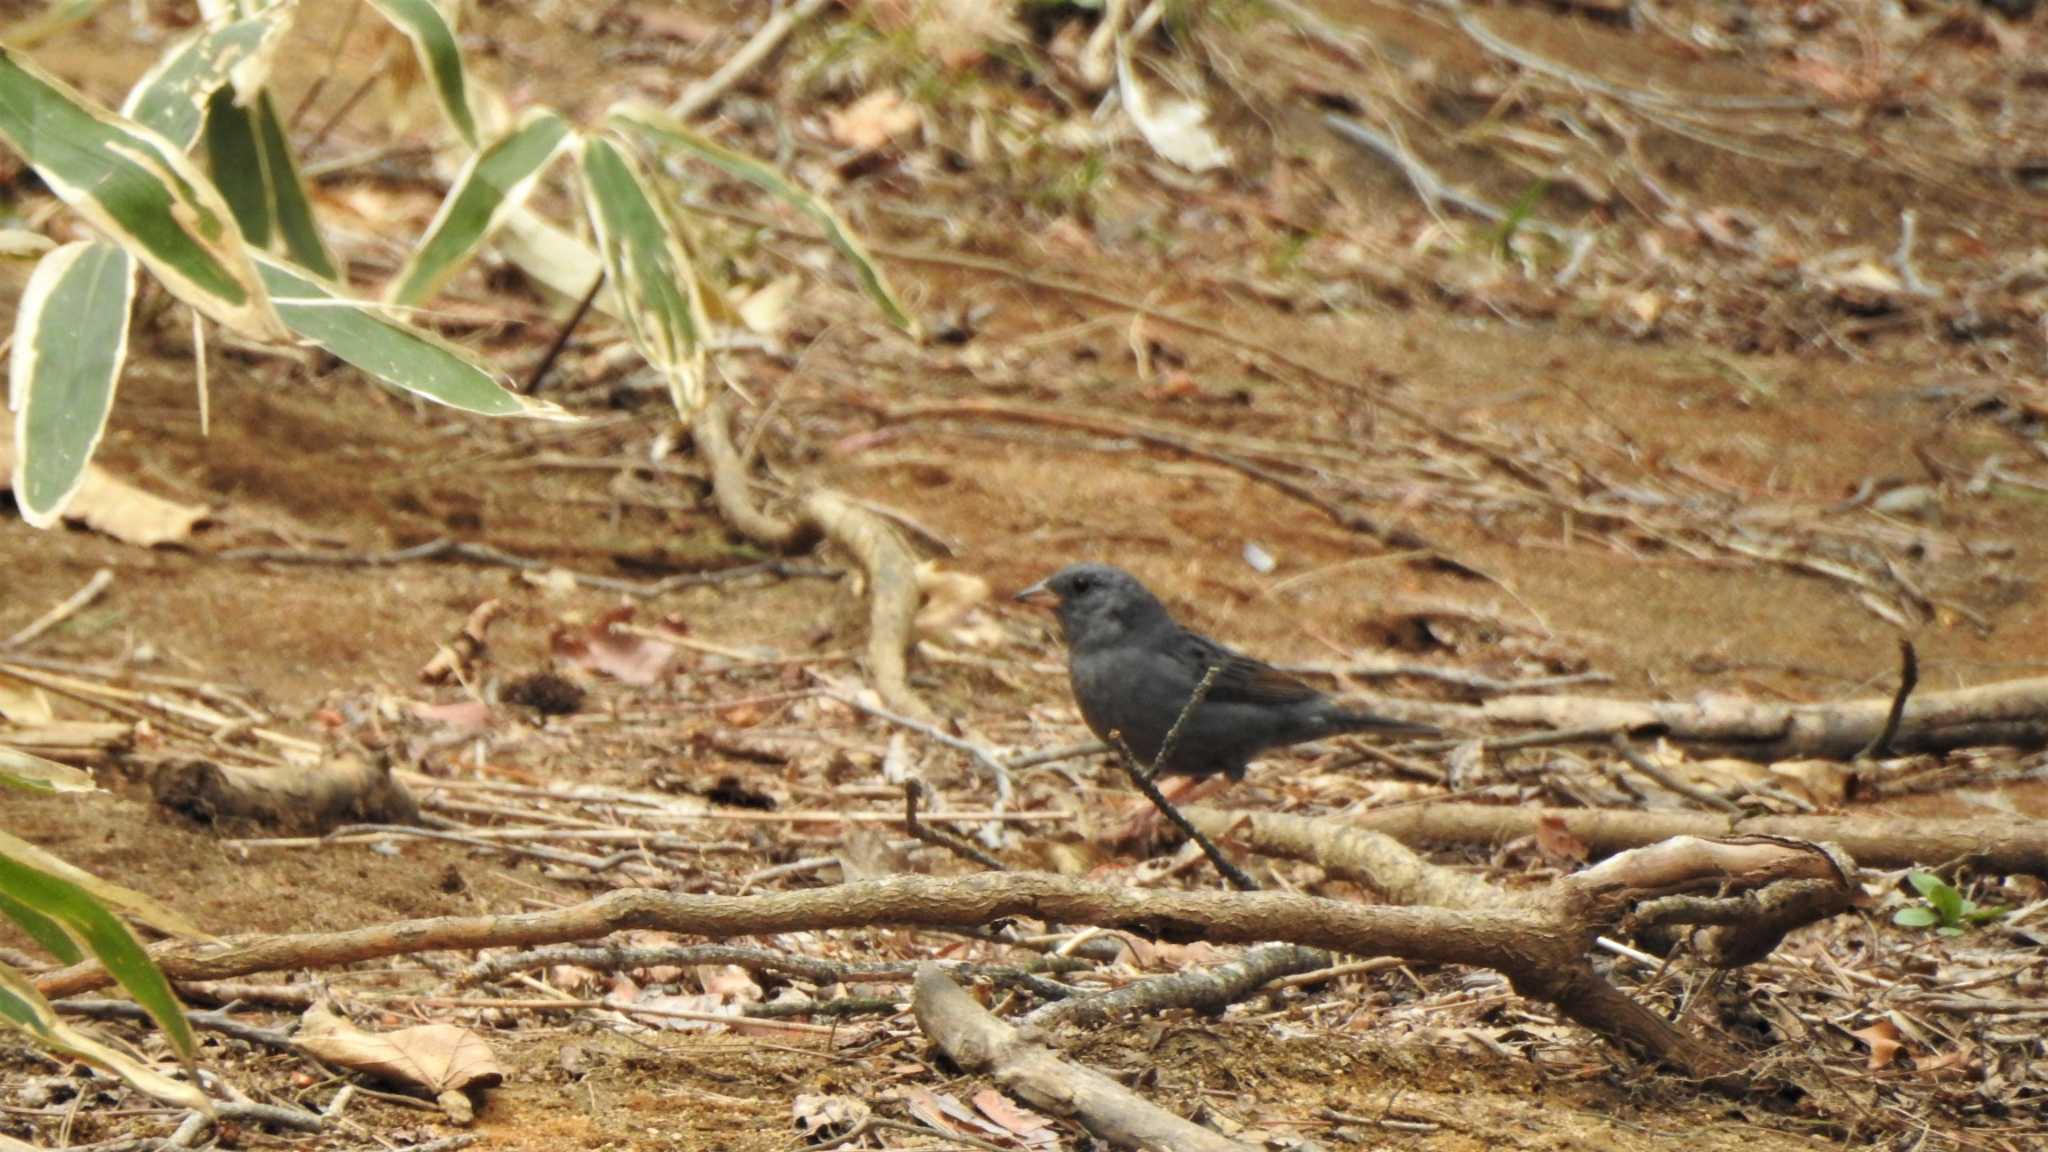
[{"x": 1242, "y": 680}]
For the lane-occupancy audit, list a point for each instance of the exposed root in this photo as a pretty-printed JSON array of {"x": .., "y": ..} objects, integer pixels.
[
  {"x": 331, "y": 794},
  {"x": 821, "y": 513}
]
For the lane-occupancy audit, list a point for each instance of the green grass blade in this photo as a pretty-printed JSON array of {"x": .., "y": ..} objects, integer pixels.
[
  {"x": 32, "y": 773},
  {"x": 113, "y": 895},
  {"x": 140, "y": 190},
  {"x": 103, "y": 934},
  {"x": 493, "y": 182},
  {"x": 235, "y": 158},
  {"x": 42, "y": 930},
  {"x": 70, "y": 340},
  {"x": 393, "y": 352},
  {"x": 24, "y": 1009},
  {"x": 291, "y": 202},
  {"x": 647, "y": 264},
  {"x": 432, "y": 33},
  {"x": 664, "y": 131},
  {"x": 171, "y": 98}
]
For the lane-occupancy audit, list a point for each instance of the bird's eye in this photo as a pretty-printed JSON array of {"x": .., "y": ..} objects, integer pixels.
[{"x": 1083, "y": 583}]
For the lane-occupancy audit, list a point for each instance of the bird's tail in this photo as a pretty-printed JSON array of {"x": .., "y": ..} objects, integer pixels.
[{"x": 1342, "y": 719}]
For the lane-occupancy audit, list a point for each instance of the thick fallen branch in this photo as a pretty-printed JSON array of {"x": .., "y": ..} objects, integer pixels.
[
  {"x": 2014, "y": 713},
  {"x": 822, "y": 513},
  {"x": 328, "y": 795},
  {"x": 1027, "y": 1069},
  {"x": 1541, "y": 950},
  {"x": 1994, "y": 843}
]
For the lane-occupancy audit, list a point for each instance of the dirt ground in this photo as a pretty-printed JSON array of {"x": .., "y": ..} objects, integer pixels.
[{"x": 1751, "y": 398}]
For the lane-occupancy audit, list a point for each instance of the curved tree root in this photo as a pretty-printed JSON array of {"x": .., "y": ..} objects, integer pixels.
[{"x": 822, "y": 513}]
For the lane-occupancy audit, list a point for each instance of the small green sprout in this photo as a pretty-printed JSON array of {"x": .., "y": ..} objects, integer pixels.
[{"x": 1944, "y": 909}]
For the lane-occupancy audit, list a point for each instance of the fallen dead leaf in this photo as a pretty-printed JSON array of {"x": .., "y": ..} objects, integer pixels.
[
  {"x": 1556, "y": 841},
  {"x": 442, "y": 1058},
  {"x": 1882, "y": 1038},
  {"x": 1027, "y": 1126},
  {"x": 607, "y": 649},
  {"x": 829, "y": 1116}
]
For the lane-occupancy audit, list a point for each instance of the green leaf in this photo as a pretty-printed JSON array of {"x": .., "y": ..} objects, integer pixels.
[
  {"x": 664, "y": 130},
  {"x": 171, "y": 98},
  {"x": 432, "y": 33},
  {"x": 100, "y": 931},
  {"x": 493, "y": 182},
  {"x": 24, "y": 1009},
  {"x": 291, "y": 203},
  {"x": 32, "y": 773},
  {"x": 648, "y": 265},
  {"x": 1976, "y": 915},
  {"x": 1917, "y": 916},
  {"x": 140, "y": 190},
  {"x": 70, "y": 340},
  {"x": 235, "y": 158},
  {"x": 1948, "y": 930},
  {"x": 42, "y": 930},
  {"x": 107, "y": 892},
  {"x": 391, "y": 351}
]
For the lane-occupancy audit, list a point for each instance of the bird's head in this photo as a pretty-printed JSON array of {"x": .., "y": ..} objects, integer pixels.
[{"x": 1098, "y": 605}]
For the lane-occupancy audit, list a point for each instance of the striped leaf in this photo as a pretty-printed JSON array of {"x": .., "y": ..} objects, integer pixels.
[
  {"x": 24, "y": 1009},
  {"x": 115, "y": 896},
  {"x": 32, "y": 773},
  {"x": 493, "y": 182},
  {"x": 140, "y": 190},
  {"x": 393, "y": 352},
  {"x": 432, "y": 32},
  {"x": 664, "y": 131},
  {"x": 253, "y": 165},
  {"x": 70, "y": 339},
  {"x": 100, "y": 932},
  {"x": 171, "y": 98},
  {"x": 647, "y": 263}
]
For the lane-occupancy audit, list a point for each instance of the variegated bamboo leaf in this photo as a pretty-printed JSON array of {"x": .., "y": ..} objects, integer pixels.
[
  {"x": 171, "y": 98},
  {"x": 70, "y": 339},
  {"x": 494, "y": 181},
  {"x": 24, "y": 1009},
  {"x": 393, "y": 352},
  {"x": 646, "y": 261},
  {"x": 235, "y": 158},
  {"x": 432, "y": 32},
  {"x": 88, "y": 921},
  {"x": 32, "y": 773},
  {"x": 140, "y": 190},
  {"x": 664, "y": 131},
  {"x": 118, "y": 897},
  {"x": 291, "y": 202}
]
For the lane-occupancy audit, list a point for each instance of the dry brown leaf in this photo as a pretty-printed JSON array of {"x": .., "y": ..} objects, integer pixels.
[
  {"x": 1882, "y": 1038},
  {"x": 1554, "y": 838},
  {"x": 873, "y": 120},
  {"x": 24, "y": 704},
  {"x": 442, "y": 1058},
  {"x": 1027, "y": 1126},
  {"x": 107, "y": 504},
  {"x": 607, "y": 649}
]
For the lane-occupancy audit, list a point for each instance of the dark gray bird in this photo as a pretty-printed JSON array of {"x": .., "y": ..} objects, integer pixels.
[{"x": 1133, "y": 671}]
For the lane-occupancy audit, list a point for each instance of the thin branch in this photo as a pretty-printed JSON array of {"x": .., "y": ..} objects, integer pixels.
[
  {"x": 957, "y": 845},
  {"x": 1666, "y": 780},
  {"x": 1909, "y": 678}
]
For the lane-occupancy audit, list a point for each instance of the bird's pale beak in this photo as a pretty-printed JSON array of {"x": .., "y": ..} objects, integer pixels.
[{"x": 1032, "y": 593}]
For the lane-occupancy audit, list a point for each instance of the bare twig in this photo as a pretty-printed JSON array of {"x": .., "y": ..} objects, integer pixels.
[
  {"x": 539, "y": 375},
  {"x": 773, "y": 31},
  {"x": 71, "y": 606},
  {"x": 1203, "y": 989},
  {"x": 1143, "y": 777},
  {"x": 1909, "y": 678},
  {"x": 1654, "y": 771},
  {"x": 939, "y": 837},
  {"x": 446, "y": 548},
  {"x": 978, "y": 1042}
]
